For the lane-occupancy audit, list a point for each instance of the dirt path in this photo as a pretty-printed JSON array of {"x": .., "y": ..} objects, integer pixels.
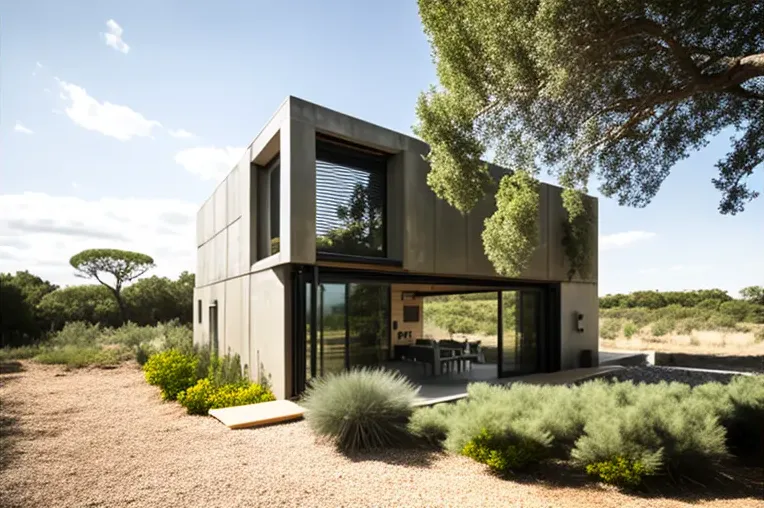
[{"x": 104, "y": 438}]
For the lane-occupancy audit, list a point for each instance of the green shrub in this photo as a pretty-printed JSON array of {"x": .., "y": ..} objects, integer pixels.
[
  {"x": 504, "y": 454},
  {"x": 431, "y": 423},
  {"x": 610, "y": 328},
  {"x": 143, "y": 352},
  {"x": 688, "y": 325},
  {"x": 131, "y": 335},
  {"x": 737, "y": 309},
  {"x": 629, "y": 329},
  {"x": 740, "y": 409},
  {"x": 721, "y": 322},
  {"x": 239, "y": 395},
  {"x": 18, "y": 353},
  {"x": 618, "y": 471},
  {"x": 76, "y": 357},
  {"x": 173, "y": 335},
  {"x": 172, "y": 371},
  {"x": 662, "y": 427},
  {"x": 661, "y": 327},
  {"x": 711, "y": 304},
  {"x": 77, "y": 333},
  {"x": 225, "y": 370},
  {"x": 198, "y": 399},
  {"x": 361, "y": 409}
]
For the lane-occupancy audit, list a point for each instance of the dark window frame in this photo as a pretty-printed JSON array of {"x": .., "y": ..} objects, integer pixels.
[
  {"x": 339, "y": 152},
  {"x": 199, "y": 310}
]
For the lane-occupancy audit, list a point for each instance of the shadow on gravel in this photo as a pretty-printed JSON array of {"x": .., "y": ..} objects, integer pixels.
[
  {"x": 10, "y": 367},
  {"x": 414, "y": 457},
  {"x": 10, "y": 432},
  {"x": 733, "y": 481}
]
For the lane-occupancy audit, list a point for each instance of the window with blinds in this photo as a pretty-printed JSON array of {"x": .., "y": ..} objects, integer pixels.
[{"x": 350, "y": 200}]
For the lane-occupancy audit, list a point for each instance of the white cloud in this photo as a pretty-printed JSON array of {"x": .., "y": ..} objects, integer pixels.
[
  {"x": 618, "y": 240},
  {"x": 20, "y": 128},
  {"x": 209, "y": 162},
  {"x": 181, "y": 134},
  {"x": 114, "y": 37},
  {"x": 41, "y": 232},
  {"x": 37, "y": 67},
  {"x": 109, "y": 119}
]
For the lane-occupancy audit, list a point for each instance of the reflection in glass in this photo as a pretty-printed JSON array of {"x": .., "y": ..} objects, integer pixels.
[
  {"x": 520, "y": 331},
  {"x": 367, "y": 318},
  {"x": 349, "y": 209},
  {"x": 331, "y": 331}
]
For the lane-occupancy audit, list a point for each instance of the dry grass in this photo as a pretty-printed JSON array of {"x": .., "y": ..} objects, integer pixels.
[
  {"x": 699, "y": 342},
  {"x": 104, "y": 438}
]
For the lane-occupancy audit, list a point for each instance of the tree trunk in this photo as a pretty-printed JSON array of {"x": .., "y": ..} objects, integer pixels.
[{"x": 121, "y": 305}]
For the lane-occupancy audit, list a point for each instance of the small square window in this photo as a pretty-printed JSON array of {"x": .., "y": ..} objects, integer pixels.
[{"x": 410, "y": 313}]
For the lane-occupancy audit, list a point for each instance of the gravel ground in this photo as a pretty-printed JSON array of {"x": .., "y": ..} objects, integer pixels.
[
  {"x": 104, "y": 438},
  {"x": 655, "y": 374}
]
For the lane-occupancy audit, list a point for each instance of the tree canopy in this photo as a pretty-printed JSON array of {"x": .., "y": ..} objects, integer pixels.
[
  {"x": 124, "y": 266},
  {"x": 619, "y": 91}
]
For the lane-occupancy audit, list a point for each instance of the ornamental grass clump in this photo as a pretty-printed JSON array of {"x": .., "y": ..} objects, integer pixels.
[{"x": 361, "y": 409}]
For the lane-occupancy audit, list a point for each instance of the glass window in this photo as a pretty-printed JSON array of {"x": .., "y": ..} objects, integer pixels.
[
  {"x": 268, "y": 209},
  {"x": 274, "y": 202},
  {"x": 368, "y": 322},
  {"x": 350, "y": 201}
]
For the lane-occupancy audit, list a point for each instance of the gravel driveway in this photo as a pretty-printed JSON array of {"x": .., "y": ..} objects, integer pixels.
[{"x": 104, "y": 438}]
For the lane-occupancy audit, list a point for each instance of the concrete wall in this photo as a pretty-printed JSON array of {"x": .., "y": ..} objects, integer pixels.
[
  {"x": 270, "y": 329},
  {"x": 575, "y": 298}
]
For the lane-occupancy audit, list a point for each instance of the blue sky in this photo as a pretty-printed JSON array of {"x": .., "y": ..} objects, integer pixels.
[{"x": 113, "y": 133}]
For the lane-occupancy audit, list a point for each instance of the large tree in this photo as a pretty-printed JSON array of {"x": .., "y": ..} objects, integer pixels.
[
  {"x": 123, "y": 266},
  {"x": 617, "y": 90}
]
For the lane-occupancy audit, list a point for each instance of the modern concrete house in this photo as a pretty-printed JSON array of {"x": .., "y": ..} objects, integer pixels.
[{"x": 316, "y": 252}]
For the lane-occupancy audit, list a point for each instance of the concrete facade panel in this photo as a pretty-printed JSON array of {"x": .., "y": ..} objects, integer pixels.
[
  {"x": 419, "y": 215},
  {"x": 235, "y": 266},
  {"x": 450, "y": 239},
  {"x": 234, "y": 196},
  {"x": 200, "y": 226},
  {"x": 268, "y": 329},
  {"x": 298, "y": 193},
  {"x": 575, "y": 298},
  {"x": 218, "y": 256},
  {"x": 220, "y": 200},
  {"x": 395, "y": 204},
  {"x": 477, "y": 261},
  {"x": 343, "y": 126},
  {"x": 558, "y": 265},
  {"x": 538, "y": 267},
  {"x": 209, "y": 220},
  {"x": 236, "y": 336}
]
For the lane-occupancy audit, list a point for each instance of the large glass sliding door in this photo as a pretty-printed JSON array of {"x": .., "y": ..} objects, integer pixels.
[
  {"x": 520, "y": 312},
  {"x": 351, "y": 327}
]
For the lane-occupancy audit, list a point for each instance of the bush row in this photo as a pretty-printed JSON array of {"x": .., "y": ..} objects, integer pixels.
[
  {"x": 201, "y": 381},
  {"x": 621, "y": 433},
  {"x": 81, "y": 344},
  {"x": 618, "y": 432}
]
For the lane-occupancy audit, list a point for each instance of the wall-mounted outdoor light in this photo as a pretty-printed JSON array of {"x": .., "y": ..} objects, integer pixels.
[
  {"x": 408, "y": 295},
  {"x": 579, "y": 322}
]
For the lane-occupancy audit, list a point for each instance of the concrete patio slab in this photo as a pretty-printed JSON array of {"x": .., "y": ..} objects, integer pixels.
[{"x": 252, "y": 415}]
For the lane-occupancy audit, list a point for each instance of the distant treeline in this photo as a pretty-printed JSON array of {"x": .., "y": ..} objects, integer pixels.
[
  {"x": 693, "y": 298},
  {"x": 31, "y": 308}
]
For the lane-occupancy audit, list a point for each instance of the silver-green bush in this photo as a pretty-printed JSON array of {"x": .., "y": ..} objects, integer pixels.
[{"x": 361, "y": 409}]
